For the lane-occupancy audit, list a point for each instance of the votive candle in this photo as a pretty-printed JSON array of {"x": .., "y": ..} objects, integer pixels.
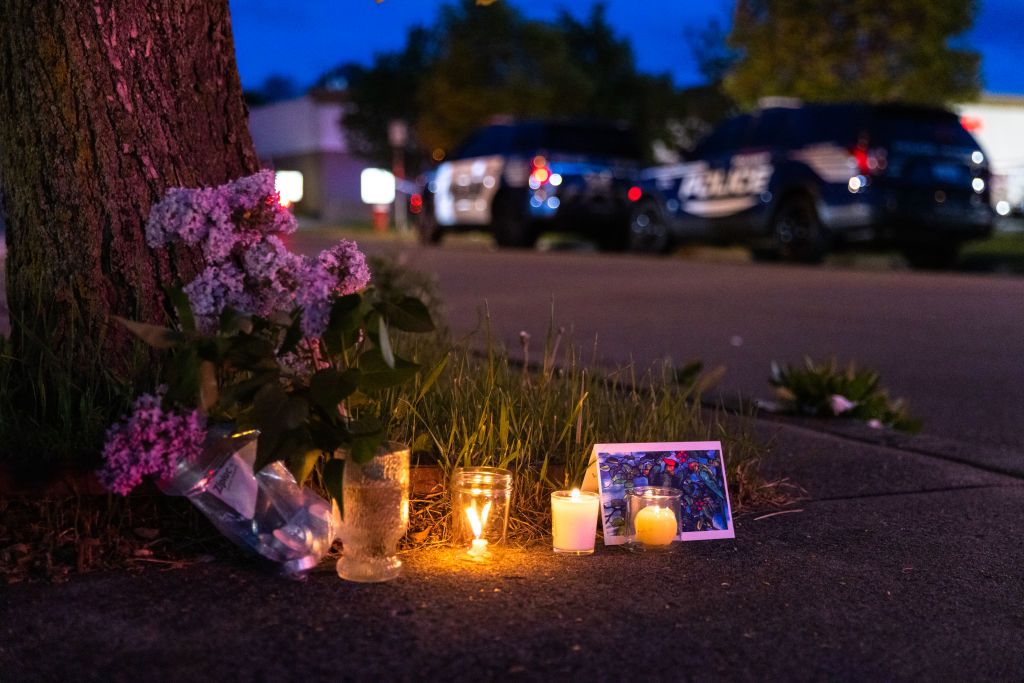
[{"x": 574, "y": 521}]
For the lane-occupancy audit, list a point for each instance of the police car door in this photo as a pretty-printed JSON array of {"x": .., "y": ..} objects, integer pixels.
[
  {"x": 466, "y": 185},
  {"x": 725, "y": 180}
]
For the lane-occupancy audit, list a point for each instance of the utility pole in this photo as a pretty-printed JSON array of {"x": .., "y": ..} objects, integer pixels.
[{"x": 398, "y": 136}]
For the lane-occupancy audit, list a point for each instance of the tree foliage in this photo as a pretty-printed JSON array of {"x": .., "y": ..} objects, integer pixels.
[
  {"x": 868, "y": 50},
  {"x": 476, "y": 63}
]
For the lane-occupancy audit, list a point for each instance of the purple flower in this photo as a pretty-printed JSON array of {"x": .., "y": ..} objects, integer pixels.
[
  {"x": 238, "y": 226},
  {"x": 150, "y": 441},
  {"x": 347, "y": 264},
  {"x": 216, "y": 288}
]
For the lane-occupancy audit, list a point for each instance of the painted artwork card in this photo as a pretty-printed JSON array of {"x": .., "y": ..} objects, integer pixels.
[{"x": 696, "y": 468}]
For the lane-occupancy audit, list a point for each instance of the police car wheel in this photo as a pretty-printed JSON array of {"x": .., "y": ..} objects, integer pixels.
[
  {"x": 797, "y": 231},
  {"x": 511, "y": 229},
  {"x": 427, "y": 228},
  {"x": 648, "y": 232}
]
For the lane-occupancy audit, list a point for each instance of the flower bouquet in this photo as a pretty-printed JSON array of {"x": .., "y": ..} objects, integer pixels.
[{"x": 276, "y": 361}]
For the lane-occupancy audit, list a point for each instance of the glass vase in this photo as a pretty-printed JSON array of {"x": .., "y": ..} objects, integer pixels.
[
  {"x": 264, "y": 512},
  {"x": 480, "y": 503},
  {"x": 653, "y": 514},
  {"x": 375, "y": 515}
]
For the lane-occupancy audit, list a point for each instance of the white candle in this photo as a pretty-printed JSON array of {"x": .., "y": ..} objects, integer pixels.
[{"x": 574, "y": 521}]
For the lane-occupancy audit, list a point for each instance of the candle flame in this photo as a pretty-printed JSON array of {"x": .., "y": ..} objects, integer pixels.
[
  {"x": 575, "y": 495},
  {"x": 477, "y": 522}
]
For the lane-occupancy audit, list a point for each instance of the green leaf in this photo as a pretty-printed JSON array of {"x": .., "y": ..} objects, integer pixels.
[
  {"x": 366, "y": 426},
  {"x": 384, "y": 341},
  {"x": 183, "y": 307},
  {"x": 292, "y": 337},
  {"x": 329, "y": 387},
  {"x": 232, "y": 322},
  {"x": 301, "y": 464},
  {"x": 155, "y": 335},
  {"x": 183, "y": 376},
  {"x": 346, "y": 318},
  {"x": 363, "y": 448},
  {"x": 432, "y": 377},
  {"x": 408, "y": 314},
  {"x": 376, "y": 374},
  {"x": 334, "y": 470},
  {"x": 274, "y": 413},
  {"x": 243, "y": 391},
  {"x": 250, "y": 352}
]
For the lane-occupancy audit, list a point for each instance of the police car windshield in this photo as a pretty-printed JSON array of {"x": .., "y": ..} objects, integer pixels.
[{"x": 944, "y": 128}]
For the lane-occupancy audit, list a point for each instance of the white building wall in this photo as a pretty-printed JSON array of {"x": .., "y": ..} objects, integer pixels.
[
  {"x": 997, "y": 123},
  {"x": 296, "y": 127}
]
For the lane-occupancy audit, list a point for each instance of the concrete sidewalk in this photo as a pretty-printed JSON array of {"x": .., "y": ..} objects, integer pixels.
[{"x": 899, "y": 565}]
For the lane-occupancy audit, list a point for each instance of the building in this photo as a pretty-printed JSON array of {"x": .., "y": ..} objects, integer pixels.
[
  {"x": 997, "y": 123},
  {"x": 305, "y": 136}
]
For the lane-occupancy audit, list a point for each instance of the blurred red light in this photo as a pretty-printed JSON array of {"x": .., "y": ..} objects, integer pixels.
[
  {"x": 634, "y": 194},
  {"x": 415, "y": 203},
  {"x": 970, "y": 123},
  {"x": 542, "y": 175}
]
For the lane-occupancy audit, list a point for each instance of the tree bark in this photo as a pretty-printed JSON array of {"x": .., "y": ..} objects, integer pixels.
[{"x": 104, "y": 105}]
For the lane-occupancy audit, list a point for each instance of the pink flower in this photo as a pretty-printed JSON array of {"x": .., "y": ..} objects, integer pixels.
[
  {"x": 150, "y": 441},
  {"x": 840, "y": 404}
]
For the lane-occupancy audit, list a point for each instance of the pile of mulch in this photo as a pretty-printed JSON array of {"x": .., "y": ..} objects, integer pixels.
[{"x": 69, "y": 526}]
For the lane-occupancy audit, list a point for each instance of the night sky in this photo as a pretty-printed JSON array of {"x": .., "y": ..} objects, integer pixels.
[{"x": 304, "y": 39}]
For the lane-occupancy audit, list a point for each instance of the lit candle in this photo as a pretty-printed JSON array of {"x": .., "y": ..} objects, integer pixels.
[
  {"x": 655, "y": 525},
  {"x": 574, "y": 521},
  {"x": 478, "y": 549},
  {"x": 477, "y": 522}
]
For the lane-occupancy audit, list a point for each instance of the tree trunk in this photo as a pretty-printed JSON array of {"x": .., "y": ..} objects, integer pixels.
[{"x": 103, "y": 107}]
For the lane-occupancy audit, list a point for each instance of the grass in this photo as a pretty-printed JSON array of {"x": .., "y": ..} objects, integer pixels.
[
  {"x": 58, "y": 398},
  {"x": 541, "y": 422},
  {"x": 1003, "y": 252},
  {"x": 828, "y": 390}
]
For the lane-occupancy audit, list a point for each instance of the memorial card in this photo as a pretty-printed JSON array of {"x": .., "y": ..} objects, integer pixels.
[{"x": 695, "y": 468}]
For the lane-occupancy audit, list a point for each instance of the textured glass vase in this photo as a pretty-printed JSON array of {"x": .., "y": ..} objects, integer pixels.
[
  {"x": 264, "y": 512},
  {"x": 375, "y": 515}
]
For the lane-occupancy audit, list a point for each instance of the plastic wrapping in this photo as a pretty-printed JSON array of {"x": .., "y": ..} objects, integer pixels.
[{"x": 265, "y": 512}]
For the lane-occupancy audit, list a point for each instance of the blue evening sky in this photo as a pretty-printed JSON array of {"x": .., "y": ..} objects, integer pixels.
[{"x": 302, "y": 39}]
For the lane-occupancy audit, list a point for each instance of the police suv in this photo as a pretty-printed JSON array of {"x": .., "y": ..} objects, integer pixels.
[
  {"x": 518, "y": 180},
  {"x": 796, "y": 181}
]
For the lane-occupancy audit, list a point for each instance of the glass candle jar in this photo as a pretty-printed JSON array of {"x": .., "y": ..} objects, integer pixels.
[
  {"x": 480, "y": 504},
  {"x": 653, "y": 514},
  {"x": 375, "y": 499}
]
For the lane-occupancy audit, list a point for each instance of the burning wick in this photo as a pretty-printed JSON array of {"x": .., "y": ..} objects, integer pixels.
[{"x": 478, "y": 550}]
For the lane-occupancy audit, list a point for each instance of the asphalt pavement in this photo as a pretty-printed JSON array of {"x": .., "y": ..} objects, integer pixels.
[{"x": 897, "y": 566}]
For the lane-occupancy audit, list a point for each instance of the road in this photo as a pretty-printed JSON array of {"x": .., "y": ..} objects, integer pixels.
[{"x": 951, "y": 344}]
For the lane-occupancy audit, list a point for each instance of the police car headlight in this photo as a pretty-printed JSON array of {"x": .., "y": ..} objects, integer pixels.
[{"x": 857, "y": 183}]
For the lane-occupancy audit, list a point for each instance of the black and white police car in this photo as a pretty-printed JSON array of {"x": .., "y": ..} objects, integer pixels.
[
  {"x": 518, "y": 180},
  {"x": 796, "y": 181}
]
